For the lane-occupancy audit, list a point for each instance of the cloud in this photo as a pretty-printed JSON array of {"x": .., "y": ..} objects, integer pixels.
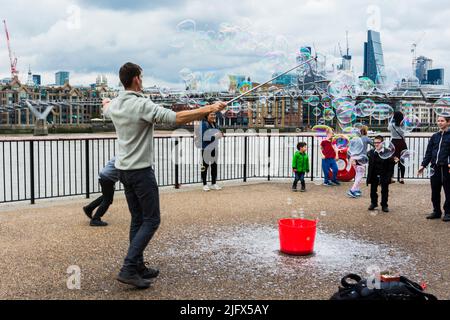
[{"x": 252, "y": 37}]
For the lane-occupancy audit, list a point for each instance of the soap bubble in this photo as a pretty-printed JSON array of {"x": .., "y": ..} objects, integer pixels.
[
  {"x": 408, "y": 157},
  {"x": 343, "y": 85},
  {"x": 328, "y": 114},
  {"x": 345, "y": 113},
  {"x": 341, "y": 142},
  {"x": 244, "y": 87},
  {"x": 362, "y": 159},
  {"x": 366, "y": 107},
  {"x": 365, "y": 85},
  {"x": 186, "y": 74},
  {"x": 235, "y": 108},
  {"x": 356, "y": 146},
  {"x": 387, "y": 150},
  {"x": 317, "y": 112},
  {"x": 313, "y": 101},
  {"x": 382, "y": 112},
  {"x": 410, "y": 122},
  {"x": 341, "y": 164},
  {"x": 442, "y": 107},
  {"x": 352, "y": 131},
  {"x": 336, "y": 103},
  {"x": 320, "y": 130},
  {"x": 407, "y": 108},
  {"x": 387, "y": 82}
]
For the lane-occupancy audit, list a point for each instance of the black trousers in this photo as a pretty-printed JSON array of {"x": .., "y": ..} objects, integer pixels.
[
  {"x": 141, "y": 191},
  {"x": 384, "y": 192},
  {"x": 206, "y": 164},
  {"x": 441, "y": 178},
  {"x": 104, "y": 201}
]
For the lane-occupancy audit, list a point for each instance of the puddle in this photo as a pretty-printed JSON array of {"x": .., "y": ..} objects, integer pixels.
[{"x": 255, "y": 248}]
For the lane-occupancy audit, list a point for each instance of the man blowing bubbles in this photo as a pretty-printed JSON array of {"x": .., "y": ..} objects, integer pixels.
[{"x": 134, "y": 116}]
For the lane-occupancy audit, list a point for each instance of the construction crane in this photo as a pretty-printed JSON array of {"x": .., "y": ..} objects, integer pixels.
[
  {"x": 12, "y": 59},
  {"x": 414, "y": 53}
]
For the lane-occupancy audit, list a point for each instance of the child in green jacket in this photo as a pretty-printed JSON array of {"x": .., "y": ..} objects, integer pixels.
[{"x": 300, "y": 165}]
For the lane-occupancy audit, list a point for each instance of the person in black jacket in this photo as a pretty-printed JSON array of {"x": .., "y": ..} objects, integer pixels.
[
  {"x": 379, "y": 173},
  {"x": 437, "y": 154}
]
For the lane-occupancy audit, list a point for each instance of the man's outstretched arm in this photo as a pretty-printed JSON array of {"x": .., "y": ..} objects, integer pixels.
[{"x": 188, "y": 116}]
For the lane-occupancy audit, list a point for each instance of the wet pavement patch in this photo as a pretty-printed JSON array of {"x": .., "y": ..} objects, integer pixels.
[{"x": 250, "y": 249}]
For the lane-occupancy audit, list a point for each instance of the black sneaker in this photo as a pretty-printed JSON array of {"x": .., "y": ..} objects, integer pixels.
[
  {"x": 385, "y": 209},
  {"x": 372, "y": 207},
  {"x": 294, "y": 189},
  {"x": 434, "y": 216},
  {"x": 98, "y": 223},
  {"x": 87, "y": 212},
  {"x": 303, "y": 189},
  {"x": 146, "y": 272},
  {"x": 446, "y": 218},
  {"x": 133, "y": 280},
  {"x": 335, "y": 183}
]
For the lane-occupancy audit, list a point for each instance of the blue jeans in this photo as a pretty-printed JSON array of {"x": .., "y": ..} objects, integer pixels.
[
  {"x": 141, "y": 191},
  {"x": 328, "y": 164},
  {"x": 299, "y": 176}
]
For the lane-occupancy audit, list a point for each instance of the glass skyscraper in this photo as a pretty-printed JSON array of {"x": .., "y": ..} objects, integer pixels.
[
  {"x": 61, "y": 78},
  {"x": 374, "y": 58}
]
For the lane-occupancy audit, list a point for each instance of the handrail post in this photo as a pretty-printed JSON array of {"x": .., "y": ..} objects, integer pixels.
[
  {"x": 177, "y": 166},
  {"x": 268, "y": 158},
  {"x": 32, "y": 186},
  {"x": 245, "y": 158},
  {"x": 87, "y": 168}
]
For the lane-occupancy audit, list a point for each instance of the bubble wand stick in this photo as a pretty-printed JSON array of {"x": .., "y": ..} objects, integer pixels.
[{"x": 263, "y": 84}]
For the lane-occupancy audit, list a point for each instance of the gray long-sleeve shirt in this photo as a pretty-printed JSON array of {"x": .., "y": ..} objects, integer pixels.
[{"x": 134, "y": 116}]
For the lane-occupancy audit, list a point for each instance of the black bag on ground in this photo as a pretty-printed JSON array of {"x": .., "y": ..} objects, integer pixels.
[{"x": 359, "y": 289}]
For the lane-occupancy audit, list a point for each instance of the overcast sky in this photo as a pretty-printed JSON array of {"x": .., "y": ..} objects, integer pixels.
[{"x": 212, "y": 38}]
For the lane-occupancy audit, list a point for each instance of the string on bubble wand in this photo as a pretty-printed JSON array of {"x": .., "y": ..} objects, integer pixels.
[{"x": 275, "y": 78}]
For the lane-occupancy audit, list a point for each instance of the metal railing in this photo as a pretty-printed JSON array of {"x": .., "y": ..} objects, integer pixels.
[{"x": 32, "y": 169}]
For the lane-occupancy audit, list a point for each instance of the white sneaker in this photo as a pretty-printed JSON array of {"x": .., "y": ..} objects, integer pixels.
[
  {"x": 216, "y": 187},
  {"x": 206, "y": 188}
]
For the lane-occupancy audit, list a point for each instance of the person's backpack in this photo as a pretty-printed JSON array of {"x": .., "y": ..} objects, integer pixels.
[{"x": 400, "y": 289}]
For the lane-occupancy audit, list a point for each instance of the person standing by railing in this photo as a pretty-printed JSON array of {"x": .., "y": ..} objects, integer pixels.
[
  {"x": 134, "y": 116},
  {"x": 398, "y": 140},
  {"x": 107, "y": 180},
  {"x": 210, "y": 133},
  {"x": 329, "y": 156},
  {"x": 438, "y": 154}
]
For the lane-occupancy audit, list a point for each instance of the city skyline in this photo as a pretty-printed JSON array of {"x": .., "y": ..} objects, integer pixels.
[{"x": 97, "y": 46}]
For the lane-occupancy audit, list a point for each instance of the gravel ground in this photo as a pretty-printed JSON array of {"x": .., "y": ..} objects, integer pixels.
[{"x": 224, "y": 245}]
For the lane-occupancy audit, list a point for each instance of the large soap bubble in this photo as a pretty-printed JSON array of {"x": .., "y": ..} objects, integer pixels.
[
  {"x": 442, "y": 107},
  {"x": 388, "y": 81},
  {"x": 356, "y": 146},
  {"x": 408, "y": 157},
  {"x": 365, "y": 85},
  {"x": 387, "y": 150},
  {"x": 382, "y": 112},
  {"x": 410, "y": 123},
  {"x": 345, "y": 112}
]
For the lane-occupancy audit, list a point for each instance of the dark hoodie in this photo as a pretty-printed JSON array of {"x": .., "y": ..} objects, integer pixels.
[{"x": 438, "y": 150}]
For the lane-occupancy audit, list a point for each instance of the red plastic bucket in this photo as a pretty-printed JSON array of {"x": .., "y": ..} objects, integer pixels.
[{"x": 297, "y": 236}]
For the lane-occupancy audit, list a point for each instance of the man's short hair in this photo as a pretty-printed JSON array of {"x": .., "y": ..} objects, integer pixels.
[
  {"x": 127, "y": 72},
  {"x": 381, "y": 138}
]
